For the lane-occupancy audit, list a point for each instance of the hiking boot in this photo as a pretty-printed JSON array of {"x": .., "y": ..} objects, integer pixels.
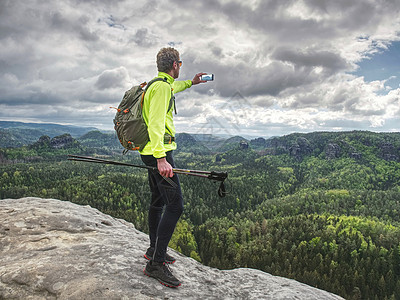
[
  {"x": 150, "y": 252},
  {"x": 162, "y": 273}
]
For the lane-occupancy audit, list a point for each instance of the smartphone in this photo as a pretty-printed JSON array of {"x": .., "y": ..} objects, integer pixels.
[{"x": 207, "y": 77}]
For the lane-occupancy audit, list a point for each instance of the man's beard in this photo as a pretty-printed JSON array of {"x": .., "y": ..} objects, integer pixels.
[{"x": 176, "y": 73}]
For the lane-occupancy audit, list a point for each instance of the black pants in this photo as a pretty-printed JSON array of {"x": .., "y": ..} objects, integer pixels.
[{"x": 163, "y": 194}]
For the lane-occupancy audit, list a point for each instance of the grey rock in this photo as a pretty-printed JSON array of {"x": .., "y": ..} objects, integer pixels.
[
  {"x": 388, "y": 152},
  {"x": 43, "y": 142},
  {"x": 355, "y": 155},
  {"x": 63, "y": 141},
  {"x": 258, "y": 143},
  {"x": 52, "y": 249},
  {"x": 300, "y": 148},
  {"x": 295, "y": 150},
  {"x": 2, "y": 157},
  {"x": 243, "y": 145},
  {"x": 332, "y": 151}
]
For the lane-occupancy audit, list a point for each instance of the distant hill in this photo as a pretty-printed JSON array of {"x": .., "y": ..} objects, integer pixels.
[
  {"x": 17, "y": 134},
  {"x": 18, "y": 137},
  {"x": 328, "y": 145},
  {"x": 65, "y": 141},
  {"x": 98, "y": 139},
  {"x": 48, "y": 128},
  {"x": 210, "y": 141},
  {"x": 331, "y": 145},
  {"x": 232, "y": 143},
  {"x": 187, "y": 143}
]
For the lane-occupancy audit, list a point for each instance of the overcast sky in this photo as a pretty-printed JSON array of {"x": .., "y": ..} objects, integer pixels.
[{"x": 280, "y": 66}]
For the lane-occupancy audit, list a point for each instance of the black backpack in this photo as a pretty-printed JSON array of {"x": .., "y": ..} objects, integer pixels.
[{"x": 129, "y": 123}]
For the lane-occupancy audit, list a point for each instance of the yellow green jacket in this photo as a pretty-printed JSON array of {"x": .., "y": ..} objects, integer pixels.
[{"x": 155, "y": 106}]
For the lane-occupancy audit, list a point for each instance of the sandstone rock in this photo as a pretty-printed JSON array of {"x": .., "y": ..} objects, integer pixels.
[
  {"x": 63, "y": 141},
  {"x": 2, "y": 157},
  {"x": 243, "y": 145},
  {"x": 258, "y": 143},
  {"x": 305, "y": 145},
  {"x": 300, "y": 148},
  {"x": 332, "y": 151},
  {"x": 43, "y": 142},
  {"x": 355, "y": 155},
  {"x": 388, "y": 152},
  {"x": 52, "y": 249}
]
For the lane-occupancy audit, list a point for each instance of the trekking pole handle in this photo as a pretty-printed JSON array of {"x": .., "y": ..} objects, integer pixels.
[{"x": 219, "y": 176}]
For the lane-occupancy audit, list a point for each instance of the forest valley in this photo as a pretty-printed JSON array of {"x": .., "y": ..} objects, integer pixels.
[{"x": 322, "y": 208}]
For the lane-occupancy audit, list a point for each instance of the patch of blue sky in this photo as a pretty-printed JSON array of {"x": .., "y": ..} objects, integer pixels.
[
  {"x": 383, "y": 65},
  {"x": 111, "y": 22}
]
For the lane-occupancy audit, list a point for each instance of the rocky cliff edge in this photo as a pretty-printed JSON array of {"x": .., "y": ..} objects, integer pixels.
[{"x": 52, "y": 249}]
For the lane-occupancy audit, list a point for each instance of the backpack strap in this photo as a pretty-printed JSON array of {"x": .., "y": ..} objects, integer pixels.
[{"x": 171, "y": 101}]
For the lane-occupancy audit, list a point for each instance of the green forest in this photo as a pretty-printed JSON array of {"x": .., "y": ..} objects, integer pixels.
[{"x": 321, "y": 208}]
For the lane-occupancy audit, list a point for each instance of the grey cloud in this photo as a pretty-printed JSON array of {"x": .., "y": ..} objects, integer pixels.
[
  {"x": 275, "y": 78},
  {"x": 91, "y": 3},
  {"x": 252, "y": 79},
  {"x": 306, "y": 101},
  {"x": 57, "y": 20},
  {"x": 332, "y": 18},
  {"x": 310, "y": 58},
  {"x": 144, "y": 38},
  {"x": 346, "y": 101},
  {"x": 148, "y": 8},
  {"x": 38, "y": 21},
  {"x": 351, "y": 106},
  {"x": 358, "y": 14},
  {"x": 87, "y": 35},
  {"x": 30, "y": 96},
  {"x": 216, "y": 50},
  {"x": 112, "y": 78},
  {"x": 268, "y": 18},
  {"x": 264, "y": 102},
  {"x": 189, "y": 112},
  {"x": 345, "y": 124},
  {"x": 246, "y": 78},
  {"x": 14, "y": 20},
  {"x": 71, "y": 25},
  {"x": 321, "y": 6},
  {"x": 59, "y": 114}
]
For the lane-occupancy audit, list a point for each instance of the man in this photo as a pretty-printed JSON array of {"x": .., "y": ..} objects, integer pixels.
[{"x": 158, "y": 153}]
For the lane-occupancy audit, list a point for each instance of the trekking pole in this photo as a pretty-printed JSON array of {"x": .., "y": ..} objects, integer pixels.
[
  {"x": 215, "y": 176},
  {"x": 110, "y": 162},
  {"x": 218, "y": 176},
  {"x": 103, "y": 161}
]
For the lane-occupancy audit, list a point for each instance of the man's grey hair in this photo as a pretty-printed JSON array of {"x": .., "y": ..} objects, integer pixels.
[{"x": 166, "y": 58}]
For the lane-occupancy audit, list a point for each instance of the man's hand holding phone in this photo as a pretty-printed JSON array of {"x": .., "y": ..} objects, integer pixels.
[{"x": 202, "y": 77}]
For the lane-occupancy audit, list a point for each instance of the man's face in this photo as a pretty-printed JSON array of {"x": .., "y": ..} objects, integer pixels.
[{"x": 177, "y": 67}]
